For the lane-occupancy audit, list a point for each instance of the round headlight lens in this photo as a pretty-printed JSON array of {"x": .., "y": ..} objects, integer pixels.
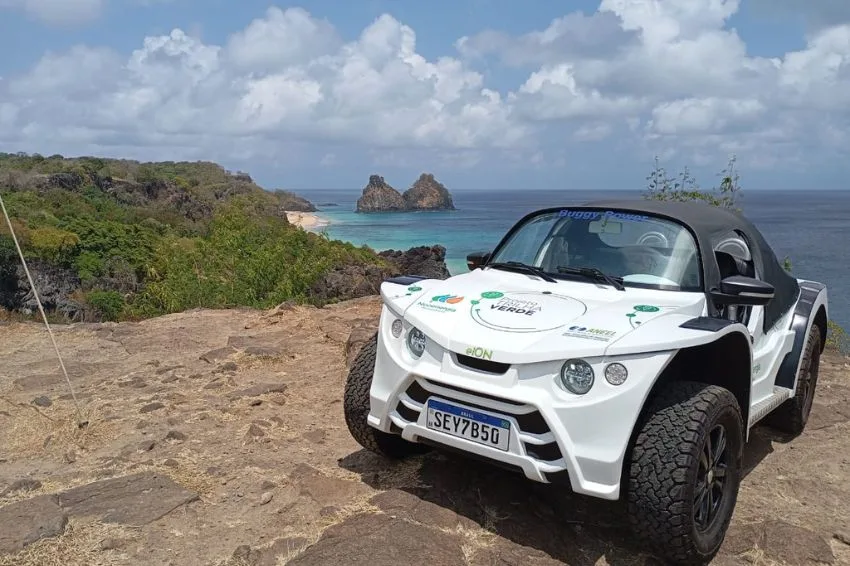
[
  {"x": 416, "y": 342},
  {"x": 397, "y": 327},
  {"x": 577, "y": 376},
  {"x": 616, "y": 374}
]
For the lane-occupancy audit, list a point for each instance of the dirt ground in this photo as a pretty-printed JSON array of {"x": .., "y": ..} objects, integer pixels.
[{"x": 217, "y": 438}]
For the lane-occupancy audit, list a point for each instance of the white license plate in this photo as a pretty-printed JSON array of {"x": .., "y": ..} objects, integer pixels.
[{"x": 468, "y": 424}]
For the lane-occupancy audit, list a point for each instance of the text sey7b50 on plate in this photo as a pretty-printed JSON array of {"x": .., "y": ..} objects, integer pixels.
[{"x": 468, "y": 424}]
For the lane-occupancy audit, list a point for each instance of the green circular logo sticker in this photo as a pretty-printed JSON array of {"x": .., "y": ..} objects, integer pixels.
[
  {"x": 414, "y": 288},
  {"x": 474, "y": 302},
  {"x": 646, "y": 308},
  {"x": 492, "y": 295}
]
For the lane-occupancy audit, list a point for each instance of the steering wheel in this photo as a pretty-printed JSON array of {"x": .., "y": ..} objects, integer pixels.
[{"x": 643, "y": 259}]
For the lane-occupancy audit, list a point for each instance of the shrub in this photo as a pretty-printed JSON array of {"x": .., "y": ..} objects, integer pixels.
[{"x": 109, "y": 305}]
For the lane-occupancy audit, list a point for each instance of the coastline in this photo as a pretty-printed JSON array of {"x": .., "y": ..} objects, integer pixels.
[{"x": 306, "y": 220}]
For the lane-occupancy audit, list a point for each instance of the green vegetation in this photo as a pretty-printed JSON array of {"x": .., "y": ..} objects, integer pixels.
[
  {"x": 145, "y": 239},
  {"x": 684, "y": 187}
]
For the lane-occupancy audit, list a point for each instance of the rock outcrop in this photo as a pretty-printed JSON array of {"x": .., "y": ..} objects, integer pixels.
[
  {"x": 262, "y": 439},
  {"x": 55, "y": 285},
  {"x": 425, "y": 194},
  {"x": 291, "y": 202},
  {"x": 428, "y": 194},
  {"x": 378, "y": 196},
  {"x": 355, "y": 281},
  {"x": 425, "y": 261}
]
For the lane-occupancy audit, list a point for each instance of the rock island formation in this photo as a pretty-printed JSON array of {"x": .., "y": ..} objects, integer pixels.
[
  {"x": 378, "y": 196},
  {"x": 425, "y": 194}
]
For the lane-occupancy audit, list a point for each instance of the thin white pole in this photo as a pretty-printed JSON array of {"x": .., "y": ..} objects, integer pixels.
[{"x": 80, "y": 422}]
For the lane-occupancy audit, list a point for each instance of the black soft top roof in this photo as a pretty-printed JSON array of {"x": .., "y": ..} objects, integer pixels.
[{"x": 708, "y": 223}]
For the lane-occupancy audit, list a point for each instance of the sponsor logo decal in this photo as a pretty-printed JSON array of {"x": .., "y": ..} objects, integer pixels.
[
  {"x": 640, "y": 308},
  {"x": 414, "y": 288},
  {"x": 492, "y": 295},
  {"x": 593, "y": 214},
  {"x": 646, "y": 308},
  {"x": 479, "y": 352},
  {"x": 518, "y": 306},
  {"x": 590, "y": 333},
  {"x": 450, "y": 299},
  {"x": 439, "y": 303}
]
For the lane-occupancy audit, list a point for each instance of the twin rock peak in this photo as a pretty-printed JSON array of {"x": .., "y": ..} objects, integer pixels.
[{"x": 425, "y": 194}]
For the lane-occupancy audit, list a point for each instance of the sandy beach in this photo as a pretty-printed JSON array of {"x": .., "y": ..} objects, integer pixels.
[{"x": 306, "y": 220}]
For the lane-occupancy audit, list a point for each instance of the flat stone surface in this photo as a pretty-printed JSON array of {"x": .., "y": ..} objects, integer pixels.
[
  {"x": 370, "y": 539},
  {"x": 408, "y": 506},
  {"x": 780, "y": 541},
  {"x": 506, "y": 553},
  {"x": 137, "y": 499},
  {"x": 24, "y": 522},
  {"x": 218, "y": 354},
  {"x": 268, "y": 555},
  {"x": 323, "y": 489},
  {"x": 260, "y": 389}
]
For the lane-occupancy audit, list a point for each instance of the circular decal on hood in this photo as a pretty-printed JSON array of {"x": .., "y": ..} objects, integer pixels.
[{"x": 525, "y": 311}]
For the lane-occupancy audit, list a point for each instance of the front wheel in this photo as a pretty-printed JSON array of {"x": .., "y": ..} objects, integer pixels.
[
  {"x": 685, "y": 470},
  {"x": 356, "y": 409}
]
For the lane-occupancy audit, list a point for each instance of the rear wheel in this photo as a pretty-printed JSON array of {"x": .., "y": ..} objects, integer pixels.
[
  {"x": 791, "y": 416},
  {"x": 685, "y": 470},
  {"x": 356, "y": 409}
]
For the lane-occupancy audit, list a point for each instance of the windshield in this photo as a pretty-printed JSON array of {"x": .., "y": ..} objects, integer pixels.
[{"x": 645, "y": 251}]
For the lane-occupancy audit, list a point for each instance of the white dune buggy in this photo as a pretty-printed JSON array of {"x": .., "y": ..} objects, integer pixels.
[{"x": 623, "y": 349}]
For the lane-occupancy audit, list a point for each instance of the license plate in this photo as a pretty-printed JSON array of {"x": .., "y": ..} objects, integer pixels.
[{"x": 468, "y": 424}]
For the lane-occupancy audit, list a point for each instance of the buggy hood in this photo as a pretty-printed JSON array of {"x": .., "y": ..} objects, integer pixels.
[{"x": 518, "y": 318}]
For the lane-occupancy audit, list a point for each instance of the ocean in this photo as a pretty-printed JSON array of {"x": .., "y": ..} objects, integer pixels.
[{"x": 812, "y": 228}]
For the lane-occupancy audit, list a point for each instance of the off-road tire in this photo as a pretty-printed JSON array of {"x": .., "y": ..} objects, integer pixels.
[
  {"x": 356, "y": 409},
  {"x": 792, "y": 416},
  {"x": 663, "y": 470}
]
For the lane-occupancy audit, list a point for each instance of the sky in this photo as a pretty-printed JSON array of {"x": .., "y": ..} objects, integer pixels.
[{"x": 485, "y": 94}]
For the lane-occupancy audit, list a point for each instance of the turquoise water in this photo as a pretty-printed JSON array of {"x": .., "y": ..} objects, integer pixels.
[{"x": 808, "y": 226}]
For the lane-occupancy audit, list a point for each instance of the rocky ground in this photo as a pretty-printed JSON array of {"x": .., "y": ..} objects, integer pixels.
[{"x": 217, "y": 438}]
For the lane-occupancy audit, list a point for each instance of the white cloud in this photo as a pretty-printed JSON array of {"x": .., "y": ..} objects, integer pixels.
[
  {"x": 285, "y": 75},
  {"x": 58, "y": 12},
  {"x": 659, "y": 76},
  {"x": 675, "y": 73}
]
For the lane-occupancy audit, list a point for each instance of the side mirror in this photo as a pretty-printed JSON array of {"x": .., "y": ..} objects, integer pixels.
[
  {"x": 476, "y": 260},
  {"x": 741, "y": 290}
]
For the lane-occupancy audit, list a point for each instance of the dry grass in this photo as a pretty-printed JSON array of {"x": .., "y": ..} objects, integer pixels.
[
  {"x": 757, "y": 557},
  {"x": 79, "y": 545},
  {"x": 55, "y": 429},
  {"x": 186, "y": 474},
  {"x": 474, "y": 540}
]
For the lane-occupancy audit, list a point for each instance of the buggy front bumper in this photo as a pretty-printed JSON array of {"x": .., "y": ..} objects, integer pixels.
[{"x": 554, "y": 436}]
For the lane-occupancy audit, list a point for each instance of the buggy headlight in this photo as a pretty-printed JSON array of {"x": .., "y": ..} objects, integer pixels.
[
  {"x": 577, "y": 376},
  {"x": 616, "y": 373},
  {"x": 397, "y": 327},
  {"x": 416, "y": 342}
]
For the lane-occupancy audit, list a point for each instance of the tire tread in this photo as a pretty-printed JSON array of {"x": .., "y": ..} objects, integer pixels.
[
  {"x": 356, "y": 408},
  {"x": 661, "y": 463}
]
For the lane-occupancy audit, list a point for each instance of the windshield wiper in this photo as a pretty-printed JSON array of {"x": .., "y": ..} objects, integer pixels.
[
  {"x": 519, "y": 266},
  {"x": 594, "y": 273}
]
